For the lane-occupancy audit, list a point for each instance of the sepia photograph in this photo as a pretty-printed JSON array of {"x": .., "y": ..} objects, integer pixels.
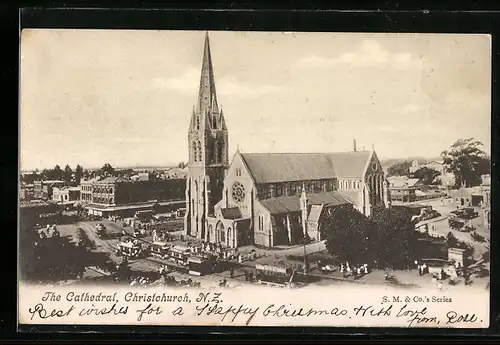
[{"x": 254, "y": 178}]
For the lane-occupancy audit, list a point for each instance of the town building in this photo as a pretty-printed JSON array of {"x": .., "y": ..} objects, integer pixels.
[
  {"x": 26, "y": 192},
  {"x": 66, "y": 195},
  {"x": 478, "y": 196},
  {"x": 42, "y": 189},
  {"x": 403, "y": 189},
  {"x": 113, "y": 195},
  {"x": 445, "y": 178},
  {"x": 267, "y": 199},
  {"x": 486, "y": 191}
]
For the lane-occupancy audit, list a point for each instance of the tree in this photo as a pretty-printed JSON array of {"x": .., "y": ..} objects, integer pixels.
[
  {"x": 45, "y": 174},
  {"x": 181, "y": 165},
  {"x": 67, "y": 173},
  {"x": 78, "y": 173},
  {"x": 399, "y": 169},
  {"x": 348, "y": 235},
  {"x": 86, "y": 174},
  {"x": 107, "y": 169},
  {"x": 395, "y": 239},
  {"x": 465, "y": 160},
  {"x": 426, "y": 175},
  {"x": 57, "y": 173}
]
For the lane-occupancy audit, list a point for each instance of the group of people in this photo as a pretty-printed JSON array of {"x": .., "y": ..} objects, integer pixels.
[
  {"x": 422, "y": 268},
  {"x": 356, "y": 271},
  {"x": 171, "y": 281},
  {"x": 224, "y": 253},
  {"x": 44, "y": 234},
  {"x": 115, "y": 218},
  {"x": 161, "y": 236},
  {"x": 144, "y": 281}
]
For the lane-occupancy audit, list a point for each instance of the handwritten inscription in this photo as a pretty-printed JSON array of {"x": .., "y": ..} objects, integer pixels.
[
  {"x": 454, "y": 317},
  {"x": 43, "y": 313},
  {"x": 148, "y": 307}
]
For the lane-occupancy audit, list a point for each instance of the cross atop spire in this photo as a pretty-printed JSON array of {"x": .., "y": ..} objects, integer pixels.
[{"x": 207, "y": 97}]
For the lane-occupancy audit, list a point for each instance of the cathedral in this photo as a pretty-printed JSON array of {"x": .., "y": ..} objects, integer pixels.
[{"x": 267, "y": 199}]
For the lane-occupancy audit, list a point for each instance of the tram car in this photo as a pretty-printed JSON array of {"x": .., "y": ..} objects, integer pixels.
[
  {"x": 180, "y": 254},
  {"x": 129, "y": 249},
  {"x": 160, "y": 250},
  {"x": 203, "y": 264},
  {"x": 275, "y": 275}
]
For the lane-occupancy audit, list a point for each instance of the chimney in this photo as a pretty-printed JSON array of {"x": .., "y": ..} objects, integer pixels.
[{"x": 354, "y": 144}]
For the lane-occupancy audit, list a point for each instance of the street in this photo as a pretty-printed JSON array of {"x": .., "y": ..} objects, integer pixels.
[{"x": 286, "y": 255}]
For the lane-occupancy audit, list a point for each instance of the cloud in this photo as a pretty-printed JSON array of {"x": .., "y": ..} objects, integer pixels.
[
  {"x": 369, "y": 54},
  {"x": 188, "y": 83},
  {"x": 230, "y": 86},
  {"x": 412, "y": 108}
]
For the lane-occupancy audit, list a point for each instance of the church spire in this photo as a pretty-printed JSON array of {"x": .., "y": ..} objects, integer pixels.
[{"x": 207, "y": 97}]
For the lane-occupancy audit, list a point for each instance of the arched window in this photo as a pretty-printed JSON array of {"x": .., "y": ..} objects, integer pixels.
[
  {"x": 195, "y": 151},
  {"x": 198, "y": 150}
]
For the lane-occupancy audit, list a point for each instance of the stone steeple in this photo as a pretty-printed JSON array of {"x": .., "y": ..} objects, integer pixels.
[
  {"x": 207, "y": 96},
  {"x": 208, "y": 154}
]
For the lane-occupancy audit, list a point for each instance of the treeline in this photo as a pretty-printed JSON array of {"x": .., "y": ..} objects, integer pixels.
[
  {"x": 464, "y": 159},
  {"x": 75, "y": 176},
  {"x": 67, "y": 174}
]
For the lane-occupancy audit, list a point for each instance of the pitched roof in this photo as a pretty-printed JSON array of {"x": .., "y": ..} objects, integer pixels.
[
  {"x": 287, "y": 204},
  {"x": 231, "y": 213},
  {"x": 112, "y": 179},
  {"x": 353, "y": 196},
  {"x": 282, "y": 167},
  {"x": 350, "y": 164},
  {"x": 402, "y": 181}
]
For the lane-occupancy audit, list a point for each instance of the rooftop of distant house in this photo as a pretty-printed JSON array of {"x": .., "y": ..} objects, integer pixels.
[{"x": 402, "y": 182}]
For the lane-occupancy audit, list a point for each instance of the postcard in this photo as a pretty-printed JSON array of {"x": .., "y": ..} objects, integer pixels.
[{"x": 254, "y": 178}]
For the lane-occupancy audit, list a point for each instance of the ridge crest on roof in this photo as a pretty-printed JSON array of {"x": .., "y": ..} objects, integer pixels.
[{"x": 285, "y": 167}]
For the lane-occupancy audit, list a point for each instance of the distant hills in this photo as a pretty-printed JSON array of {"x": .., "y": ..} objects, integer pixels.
[{"x": 386, "y": 163}]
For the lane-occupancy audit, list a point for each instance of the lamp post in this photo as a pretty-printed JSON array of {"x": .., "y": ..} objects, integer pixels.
[{"x": 306, "y": 263}]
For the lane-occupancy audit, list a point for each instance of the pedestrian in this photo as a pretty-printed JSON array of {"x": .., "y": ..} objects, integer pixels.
[
  {"x": 239, "y": 258},
  {"x": 231, "y": 273},
  {"x": 365, "y": 266},
  {"x": 342, "y": 267},
  {"x": 246, "y": 276}
]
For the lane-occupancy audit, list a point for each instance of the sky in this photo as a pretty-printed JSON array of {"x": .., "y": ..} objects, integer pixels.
[{"x": 125, "y": 97}]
